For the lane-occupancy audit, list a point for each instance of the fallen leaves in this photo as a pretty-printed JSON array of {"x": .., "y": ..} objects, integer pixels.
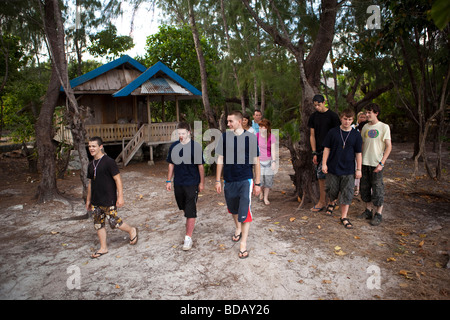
[
  {"x": 406, "y": 274},
  {"x": 338, "y": 251}
]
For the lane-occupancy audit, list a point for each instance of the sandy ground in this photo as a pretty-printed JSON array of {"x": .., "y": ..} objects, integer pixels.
[{"x": 294, "y": 254}]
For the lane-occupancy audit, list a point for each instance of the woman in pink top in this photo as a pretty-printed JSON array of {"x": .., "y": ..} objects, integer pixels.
[{"x": 267, "y": 158}]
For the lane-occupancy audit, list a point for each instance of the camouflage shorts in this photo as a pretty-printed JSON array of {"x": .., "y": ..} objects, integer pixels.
[
  {"x": 372, "y": 186},
  {"x": 101, "y": 213}
]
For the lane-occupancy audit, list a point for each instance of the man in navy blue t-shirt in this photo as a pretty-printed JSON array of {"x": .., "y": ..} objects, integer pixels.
[
  {"x": 185, "y": 160},
  {"x": 238, "y": 152},
  {"x": 342, "y": 147}
]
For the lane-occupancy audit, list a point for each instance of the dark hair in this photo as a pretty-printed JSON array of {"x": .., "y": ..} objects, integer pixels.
[
  {"x": 349, "y": 113},
  {"x": 319, "y": 98},
  {"x": 373, "y": 107},
  {"x": 98, "y": 139},
  {"x": 257, "y": 110},
  {"x": 237, "y": 114},
  {"x": 184, "y": 125}
]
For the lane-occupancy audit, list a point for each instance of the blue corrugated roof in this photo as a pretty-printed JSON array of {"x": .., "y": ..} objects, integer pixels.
[
  {"x": 105, "y": 68},
  {"x": 159, "y": 66}
]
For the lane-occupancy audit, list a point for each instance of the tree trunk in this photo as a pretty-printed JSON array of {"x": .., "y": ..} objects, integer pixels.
[
  {"x": 54, "y": 30},
  {"x": 204, "y": 78},
  {"x": 75, "y": 118},
  {"x": 310, "y": 69},
  {"x": 47, "y": 189}
]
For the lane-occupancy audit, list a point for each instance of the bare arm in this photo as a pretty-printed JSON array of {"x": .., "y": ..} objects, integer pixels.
[
  {"x": 119, "y": 187},
  {"x": 387, "y": 152},
  {"x": 201, "y": 170},
  {"x": 358, "y": 173},
  {"x": 257, "y": 165},
  {"x": 169, "y": 177},
  {"x": 88, "y": 197},
  {"x": 326, "y": 153},
  {"x": 312, "y": 141},
  {"x": 219, "y": 168}
]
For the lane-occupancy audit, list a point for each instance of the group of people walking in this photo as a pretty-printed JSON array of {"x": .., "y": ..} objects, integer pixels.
[
  {"x": 348, "y": 158},
  {"x": 246, "y": 160}
]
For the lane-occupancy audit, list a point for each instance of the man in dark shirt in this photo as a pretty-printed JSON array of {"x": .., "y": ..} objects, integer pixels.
[
  {"x": 185, "y": 160},
  {"x": 238, "y": 152},
  {"x": 320, "y": 122},
  {"x": 342, "y": 150},
  {"x": 105, "y": 195}
]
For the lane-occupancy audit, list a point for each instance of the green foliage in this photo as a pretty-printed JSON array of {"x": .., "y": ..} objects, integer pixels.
[
  {"x": 174, "y": 46},
  {"x": 108, "y": 44},
  {"x": 440, "y": 13}
]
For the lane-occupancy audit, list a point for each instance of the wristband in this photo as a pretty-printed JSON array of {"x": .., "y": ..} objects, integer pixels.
[
  {"x": 381, "y": 164},
  {"x": 258, "y": 184},
  {"x": 168, "y": 181}
]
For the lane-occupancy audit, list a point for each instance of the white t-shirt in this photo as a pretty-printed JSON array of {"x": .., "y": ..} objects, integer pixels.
[{"x": 374, "y": 137}]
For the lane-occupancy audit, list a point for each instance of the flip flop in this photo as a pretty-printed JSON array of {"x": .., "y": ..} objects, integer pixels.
[
  {"x": 98, "y": 255},
  {"x": 241, "y": 254},
  {"x": 315, "y": 209},
  {"x": 135, "y": 238},
  {"x": 236, "y": 236}
]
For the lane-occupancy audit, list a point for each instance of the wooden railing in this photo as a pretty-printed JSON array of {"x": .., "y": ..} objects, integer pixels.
[
  {"x": 155, "y": 133},
  {"x": 133, "y": 146},
  {"x": 112, "y": 132},
  {"x": 161, "y": 132}
]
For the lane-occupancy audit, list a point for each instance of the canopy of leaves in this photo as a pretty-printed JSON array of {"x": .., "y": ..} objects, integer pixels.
[{"x": 108, "y": 44}]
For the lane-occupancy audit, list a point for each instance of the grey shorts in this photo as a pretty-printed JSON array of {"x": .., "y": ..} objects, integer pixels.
[
  {"x": 266, "y": 174},
  {"x": 342, "y": 186}
]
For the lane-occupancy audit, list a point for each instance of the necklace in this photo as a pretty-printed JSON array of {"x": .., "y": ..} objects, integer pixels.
[
  {"x": 344, "y": 141},
  {"x": 95, "y": 166}
]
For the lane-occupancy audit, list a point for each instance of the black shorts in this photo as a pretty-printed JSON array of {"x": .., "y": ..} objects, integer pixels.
[{"x": 186, "y": 197}]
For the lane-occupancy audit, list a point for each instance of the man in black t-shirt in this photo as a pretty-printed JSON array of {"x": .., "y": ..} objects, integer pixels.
[
  {"x": 185, "y": 160},
  {"x": 320, "y": 122},
  {"x": 105, "y": 195}
]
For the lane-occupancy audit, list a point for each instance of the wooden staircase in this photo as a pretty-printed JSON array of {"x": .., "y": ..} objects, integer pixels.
[{"x": 133, "y": 146}]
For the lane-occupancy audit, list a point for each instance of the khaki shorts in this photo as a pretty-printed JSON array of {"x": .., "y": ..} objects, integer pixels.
[{"x": 100, "y": 213}]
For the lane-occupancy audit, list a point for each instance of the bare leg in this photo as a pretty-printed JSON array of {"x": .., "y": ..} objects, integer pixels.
[
  {"x": 101, "y": 233},
  {"x": 266, "y": 196},
  {"x": 190, "y": 223},
  {"x": 322, "y": 198},
  {"x": 131, "y": 231},
  {"x": 344, "y": 219},
  {"x": 238, "y": 227},
  {"x": 243, "y": 246}
]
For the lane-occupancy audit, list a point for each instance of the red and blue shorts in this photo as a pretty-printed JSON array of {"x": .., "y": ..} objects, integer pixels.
[{"x": 238, "y": 196}]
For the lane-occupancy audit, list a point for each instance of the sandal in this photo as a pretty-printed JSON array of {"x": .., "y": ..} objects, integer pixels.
[
  {"x": 135, "y": 238},
  {"x": 98, "y": 254},
  {"x": 347, "y": 225},
  {"x": 330, "y": 209},
  {"x": 233, "y": 238},
  {"x": 316, "y": 209},
  {"x": 242, "y": 256}
]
